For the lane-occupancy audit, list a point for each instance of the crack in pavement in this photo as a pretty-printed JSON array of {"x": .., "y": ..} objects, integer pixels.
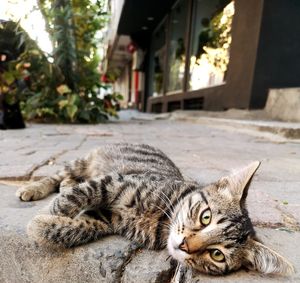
[
  {"x": 164, "y": 275},
  {"x": 169, "y": 274},
  {"x": 277, "y": 226},
  {"x": 120, "y": 271},
  {"x": 51, "y": 159},
  {"x": 13, "y": 183},
  {"x": 54, "y": 157},
  {"x": 289, "y": 220}
]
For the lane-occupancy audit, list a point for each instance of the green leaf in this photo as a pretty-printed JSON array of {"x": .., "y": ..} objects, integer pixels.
[
  {"x": 62, "y": 89},
  {"x": 120, "y": 97},
  {"x": 74, "y": 99},
  {"x": 9, "y": 78},
  {"x": 63, "y": 103},
  {"x": 72, "y": 110}
]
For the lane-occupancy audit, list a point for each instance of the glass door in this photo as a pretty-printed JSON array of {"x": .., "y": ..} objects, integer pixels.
[
  {"x": 177, "y": 48},
  {"x": 210, "y": 43}
]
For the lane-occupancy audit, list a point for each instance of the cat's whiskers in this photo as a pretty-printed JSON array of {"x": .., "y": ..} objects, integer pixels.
[
  {"x": 164, "y": 202},
  {"x": 171, "y": 207},
  {"x": 167, "y": 201},
  {"x": 167, "y": 214}
]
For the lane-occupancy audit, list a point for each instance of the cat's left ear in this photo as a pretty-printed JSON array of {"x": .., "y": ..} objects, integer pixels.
[
  {"x": 263, "y": 259},
  {"x": 237, "y": 184}
]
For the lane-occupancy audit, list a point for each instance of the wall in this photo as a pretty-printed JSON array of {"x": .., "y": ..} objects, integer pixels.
[
  {"x": 277, "y": 63},
  {"x": 122, "y": 86}
]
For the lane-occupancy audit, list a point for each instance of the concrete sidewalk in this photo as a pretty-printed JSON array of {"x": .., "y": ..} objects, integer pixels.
[{"x": 204, "y": 148}]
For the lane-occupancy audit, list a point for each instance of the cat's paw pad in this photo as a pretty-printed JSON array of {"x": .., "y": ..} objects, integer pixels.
[{"x": 29, "y": 193}]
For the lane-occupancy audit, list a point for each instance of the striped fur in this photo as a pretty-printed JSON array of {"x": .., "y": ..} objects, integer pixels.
[{"x": 136, "y": 191}]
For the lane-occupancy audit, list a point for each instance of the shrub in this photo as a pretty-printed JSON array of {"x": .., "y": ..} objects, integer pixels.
[{"x": 64, "y": 87}]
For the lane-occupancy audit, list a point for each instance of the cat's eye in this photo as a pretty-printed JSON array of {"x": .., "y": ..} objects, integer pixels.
[
  {"x": 205, "y": 217},
  {"x": 217, "y": 255}
]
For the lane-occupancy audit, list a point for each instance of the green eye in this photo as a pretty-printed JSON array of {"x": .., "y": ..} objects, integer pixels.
[
  {"x": 217, "y": 255},
  {"x": 205, "y": 217}
]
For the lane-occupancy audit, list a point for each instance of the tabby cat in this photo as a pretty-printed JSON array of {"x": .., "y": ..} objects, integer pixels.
[{"x": 136, "y": 191}]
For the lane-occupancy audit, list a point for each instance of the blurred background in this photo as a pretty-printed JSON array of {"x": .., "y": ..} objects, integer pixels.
[{"x": 81, "y": 61}]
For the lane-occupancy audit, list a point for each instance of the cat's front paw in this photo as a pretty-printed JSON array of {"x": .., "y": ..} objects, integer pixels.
[
  {"x": 43, "y": 229},
  {"x": 37, "y": 227},
  {"x": 29, "y": 193}
]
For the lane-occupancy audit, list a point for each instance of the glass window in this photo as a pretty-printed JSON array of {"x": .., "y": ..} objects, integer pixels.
[
  {"x": 158, "y": 49},
  {"x": 176, "y": 54},
  {"x": 211, "y": 38}
]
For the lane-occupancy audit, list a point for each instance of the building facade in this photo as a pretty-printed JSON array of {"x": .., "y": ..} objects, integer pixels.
[{"x": 203, "y": 54}]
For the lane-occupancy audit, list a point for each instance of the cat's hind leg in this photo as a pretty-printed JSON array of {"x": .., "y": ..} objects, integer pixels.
[
  {"x": 75, "y": 173},
  {"x": 53, "y": 230},
  {"x": 83, "y": 196},
  {"x": 68, "y": 183}
]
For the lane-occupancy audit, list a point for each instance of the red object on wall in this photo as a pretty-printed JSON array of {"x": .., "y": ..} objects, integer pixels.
[
  {"x": 103, "y": 79},
  {"x": 136, "y": 87},
  {"x": 131, "y": 47}
]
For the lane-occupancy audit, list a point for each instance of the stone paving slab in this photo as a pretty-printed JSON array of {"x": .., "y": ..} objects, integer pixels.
[{"x": 204, "y": 152}]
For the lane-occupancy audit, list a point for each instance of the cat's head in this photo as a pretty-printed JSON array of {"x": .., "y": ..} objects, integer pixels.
[{"x": 211, "y": 230}]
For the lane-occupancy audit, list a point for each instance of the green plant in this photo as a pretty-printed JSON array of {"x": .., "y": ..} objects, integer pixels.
[{"x": 66, "y": 86}]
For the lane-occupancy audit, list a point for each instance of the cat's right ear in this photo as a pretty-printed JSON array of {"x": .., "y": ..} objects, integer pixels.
[
  {"x": 263, "y": 259},
  {"x": 237, "y": 183}
]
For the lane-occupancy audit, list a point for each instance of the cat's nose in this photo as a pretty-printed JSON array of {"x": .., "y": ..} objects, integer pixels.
[{"x": 184, "y": 246}]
